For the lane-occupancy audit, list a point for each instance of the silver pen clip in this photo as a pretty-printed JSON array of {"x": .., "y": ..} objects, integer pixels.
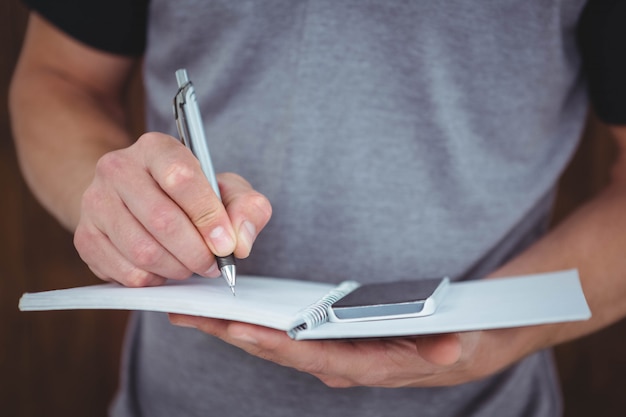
[{"x": 189, "y": 124}]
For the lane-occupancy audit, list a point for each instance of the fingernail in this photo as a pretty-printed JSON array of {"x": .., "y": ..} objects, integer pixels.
[
  {"x": 222, "y": 242},
  {"x": 247, "y": 233}
]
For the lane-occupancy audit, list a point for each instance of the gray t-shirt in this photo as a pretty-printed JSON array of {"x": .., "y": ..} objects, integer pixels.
[{"x": 423, "y": 136}]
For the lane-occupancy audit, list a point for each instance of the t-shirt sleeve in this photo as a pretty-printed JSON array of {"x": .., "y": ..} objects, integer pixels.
[
  {"x": 116, "y": 26},
  {"x": 602, "y": 40}
]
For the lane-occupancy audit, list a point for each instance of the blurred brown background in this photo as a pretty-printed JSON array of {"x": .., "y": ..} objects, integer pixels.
[{"x": 66, "y": 363}]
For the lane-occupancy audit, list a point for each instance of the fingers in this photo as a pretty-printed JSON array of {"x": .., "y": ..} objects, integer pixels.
[
  {"x": 169, "y": 233},
  {"x": 338, "y": 364},
  {"x": 383, "y": 363},
  {"x": 133, "y": 249},
  {"x": 117, "y": 265},
  {"x": 180, "y": 177},
  {"x": 248, "y": 210},
  {"x": 150, "y": 213},
  {"x": 227, "y": 226},
  {"x": 437, "y": 360}
]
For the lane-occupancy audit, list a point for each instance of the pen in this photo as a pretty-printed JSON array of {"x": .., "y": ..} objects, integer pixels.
[{"x": 189, "y": 124}]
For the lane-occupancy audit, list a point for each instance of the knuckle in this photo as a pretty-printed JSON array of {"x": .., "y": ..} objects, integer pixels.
[
  {"x": 81, "y": 244},
  {"x": 261, "y": 205},
  {"x": 176, "y": 175},
  {"x": 81, "y": 237},
  {"x": 148, "y": 138},
  {"x": 85, "y": 251},
  {"x": 138, "y": 278},
  {"x": 92, "y": 199},
  {"x": 145, "y": 253},
  {"x": 84, "y": 241},
  {"x": 207, "y": 216},
  {"x": 161, "y": 219},
  {"x": 110, "y": 164}
]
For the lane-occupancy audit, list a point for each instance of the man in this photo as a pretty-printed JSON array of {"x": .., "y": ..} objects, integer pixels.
[{"x": 393, "y": 141}]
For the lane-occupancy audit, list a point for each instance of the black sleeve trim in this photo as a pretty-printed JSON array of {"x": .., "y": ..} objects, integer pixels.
[
  {"x": 116, "y": 26},
  {"x": 602, "y": 41}
]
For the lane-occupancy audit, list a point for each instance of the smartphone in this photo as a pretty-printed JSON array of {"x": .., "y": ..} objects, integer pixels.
[{"x": 390, "y": 300}]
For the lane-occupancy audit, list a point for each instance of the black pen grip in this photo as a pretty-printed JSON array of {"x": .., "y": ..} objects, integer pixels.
[{"x": 223, "y": 261}]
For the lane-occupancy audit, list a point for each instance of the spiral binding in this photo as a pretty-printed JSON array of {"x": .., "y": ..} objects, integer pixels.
[{"x": 317, "y": 313}]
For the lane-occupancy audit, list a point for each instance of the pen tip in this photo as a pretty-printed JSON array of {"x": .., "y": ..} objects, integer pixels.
[{"x": 229, "y": 274}]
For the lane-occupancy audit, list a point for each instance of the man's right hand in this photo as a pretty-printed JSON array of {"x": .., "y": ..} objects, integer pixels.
[{"x": 150, "y": 214}]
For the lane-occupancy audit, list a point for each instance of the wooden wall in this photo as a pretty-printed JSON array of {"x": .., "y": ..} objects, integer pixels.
[
  {"x": 65, "y": 363},
  {"x": 58, "y": 363}
]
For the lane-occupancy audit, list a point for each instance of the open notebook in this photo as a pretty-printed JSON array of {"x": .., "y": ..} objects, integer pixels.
[{"x": 300, "y": 308}]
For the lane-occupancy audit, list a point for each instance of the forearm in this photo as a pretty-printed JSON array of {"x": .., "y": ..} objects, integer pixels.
[
  {"x": 60, "y": 133},
  {"x": 592, "y": 240},
  {"x": 66, "y": 111}
]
